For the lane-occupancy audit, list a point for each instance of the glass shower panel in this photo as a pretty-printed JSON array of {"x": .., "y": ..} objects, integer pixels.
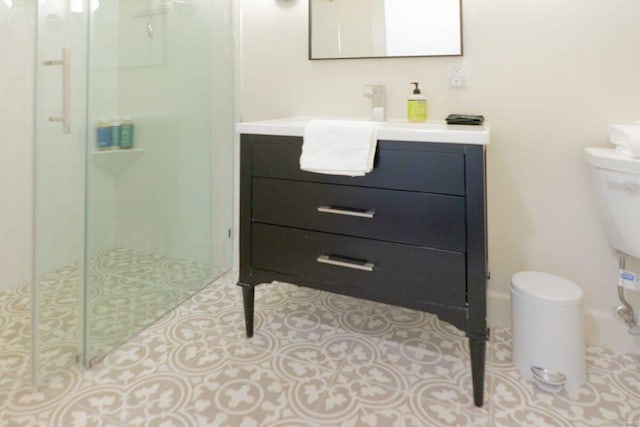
[
  {"x": 159, "y": 210},
  {"x": 17, "y": 46},
  {"x": 59, "y": 153}
]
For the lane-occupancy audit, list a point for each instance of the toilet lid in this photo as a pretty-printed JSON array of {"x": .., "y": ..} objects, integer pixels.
[{"x": 546, "y": 286}]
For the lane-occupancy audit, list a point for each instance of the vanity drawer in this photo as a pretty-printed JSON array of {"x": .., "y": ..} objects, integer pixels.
[
  {"x": 424, "y": 219},
  {"x": 366, "y": 267},
  {"x": 416, "y": 167}
]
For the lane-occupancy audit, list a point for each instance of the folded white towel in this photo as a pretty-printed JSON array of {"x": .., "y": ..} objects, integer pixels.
[
  {"x": 626, "y": 138},
  {"x": 339, "y": 147}
]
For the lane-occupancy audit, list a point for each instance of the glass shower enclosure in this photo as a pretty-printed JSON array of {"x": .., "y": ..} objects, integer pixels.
[{"x": 132, "y": 168}]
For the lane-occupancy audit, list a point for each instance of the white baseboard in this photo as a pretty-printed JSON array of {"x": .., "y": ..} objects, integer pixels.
[{"x": 601, "y": 328}]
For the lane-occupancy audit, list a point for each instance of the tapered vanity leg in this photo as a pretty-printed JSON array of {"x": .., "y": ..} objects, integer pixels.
[
  {"x": 247, "y": 299},
  {"x": 477, "y": 350}
]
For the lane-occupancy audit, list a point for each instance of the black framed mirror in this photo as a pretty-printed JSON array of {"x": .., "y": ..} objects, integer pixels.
[{"x": 341, "y": 29}]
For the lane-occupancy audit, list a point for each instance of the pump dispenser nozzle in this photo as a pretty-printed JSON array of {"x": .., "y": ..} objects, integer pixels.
[{"x": 416, "y": 91}]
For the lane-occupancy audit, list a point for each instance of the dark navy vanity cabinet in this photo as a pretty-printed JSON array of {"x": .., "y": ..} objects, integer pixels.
[{"x": 410, "y": 233}]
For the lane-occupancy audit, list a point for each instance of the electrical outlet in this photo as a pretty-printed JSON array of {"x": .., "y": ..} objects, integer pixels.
[{"x": 457, "y": 74}]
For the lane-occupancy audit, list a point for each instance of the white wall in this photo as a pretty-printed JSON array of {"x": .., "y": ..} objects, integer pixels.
[
  {"x": 549, "y": 76},
  {"x": 176, "y": 200},
  {"x": 16, "y": 148},
  {"x": 177, "y": 86},
  {"x": 103, "y": 105},
  {"x": 162, "y": 199},
  {"x": 120, "y": 212},
  {"x": 59, "y": 158}
]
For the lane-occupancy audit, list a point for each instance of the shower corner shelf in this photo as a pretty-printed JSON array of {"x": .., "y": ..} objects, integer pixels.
[{"x": 114, "y": 162}]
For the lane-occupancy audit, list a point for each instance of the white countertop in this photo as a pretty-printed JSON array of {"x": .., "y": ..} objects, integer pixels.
[{"x": 394, "y": 130}]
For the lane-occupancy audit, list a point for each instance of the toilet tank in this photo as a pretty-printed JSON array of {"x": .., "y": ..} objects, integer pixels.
[{"x": 616, "y": 183}]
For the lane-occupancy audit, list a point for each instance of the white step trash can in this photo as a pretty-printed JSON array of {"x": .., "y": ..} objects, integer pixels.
[{"x": 548, "y": 335}]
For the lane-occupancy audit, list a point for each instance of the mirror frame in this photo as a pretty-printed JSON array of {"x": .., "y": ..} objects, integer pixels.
[{"x": 311, "y": 58}]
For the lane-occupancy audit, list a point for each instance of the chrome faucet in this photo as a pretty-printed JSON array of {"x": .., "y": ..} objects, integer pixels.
[{"x": 378, "y": 100}]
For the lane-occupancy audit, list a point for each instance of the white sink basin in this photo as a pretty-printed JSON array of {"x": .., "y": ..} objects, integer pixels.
[{"x": 399, "y": 130}]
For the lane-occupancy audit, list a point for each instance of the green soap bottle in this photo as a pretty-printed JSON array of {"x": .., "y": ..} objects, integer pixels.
[
  {"x": 416, "y": 106},
  {"x": 126, "y": 132}
]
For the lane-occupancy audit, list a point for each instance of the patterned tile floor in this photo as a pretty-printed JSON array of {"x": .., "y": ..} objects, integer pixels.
[
  {"x": 317, "y": 359},
  {"x": 127, "y": 291}
]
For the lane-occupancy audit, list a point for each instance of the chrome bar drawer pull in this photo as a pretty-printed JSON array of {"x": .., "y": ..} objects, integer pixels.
[
  {"x": 339, "y": 210},
  {"x": 343, "y": 262}
]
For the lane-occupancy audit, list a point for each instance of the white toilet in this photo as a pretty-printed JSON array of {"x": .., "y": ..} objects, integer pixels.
[
  {"x": 615, "y": 174},
  {"x": 616, "y": 184}
]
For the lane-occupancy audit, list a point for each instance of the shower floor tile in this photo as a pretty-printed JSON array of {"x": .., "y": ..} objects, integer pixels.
[
  {"x": 316, "y": 359},
  {"x": 128, "y": 290}
]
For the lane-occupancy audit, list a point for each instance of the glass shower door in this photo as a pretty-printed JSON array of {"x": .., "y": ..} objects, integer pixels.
[
  {"x": 132, "y": 168},
  {"x": 159, "y": 204},
  {"x": 59, "y": 152}
]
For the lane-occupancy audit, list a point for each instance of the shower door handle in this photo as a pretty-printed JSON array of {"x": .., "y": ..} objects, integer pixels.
[{"x": 65, "y": 62}]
